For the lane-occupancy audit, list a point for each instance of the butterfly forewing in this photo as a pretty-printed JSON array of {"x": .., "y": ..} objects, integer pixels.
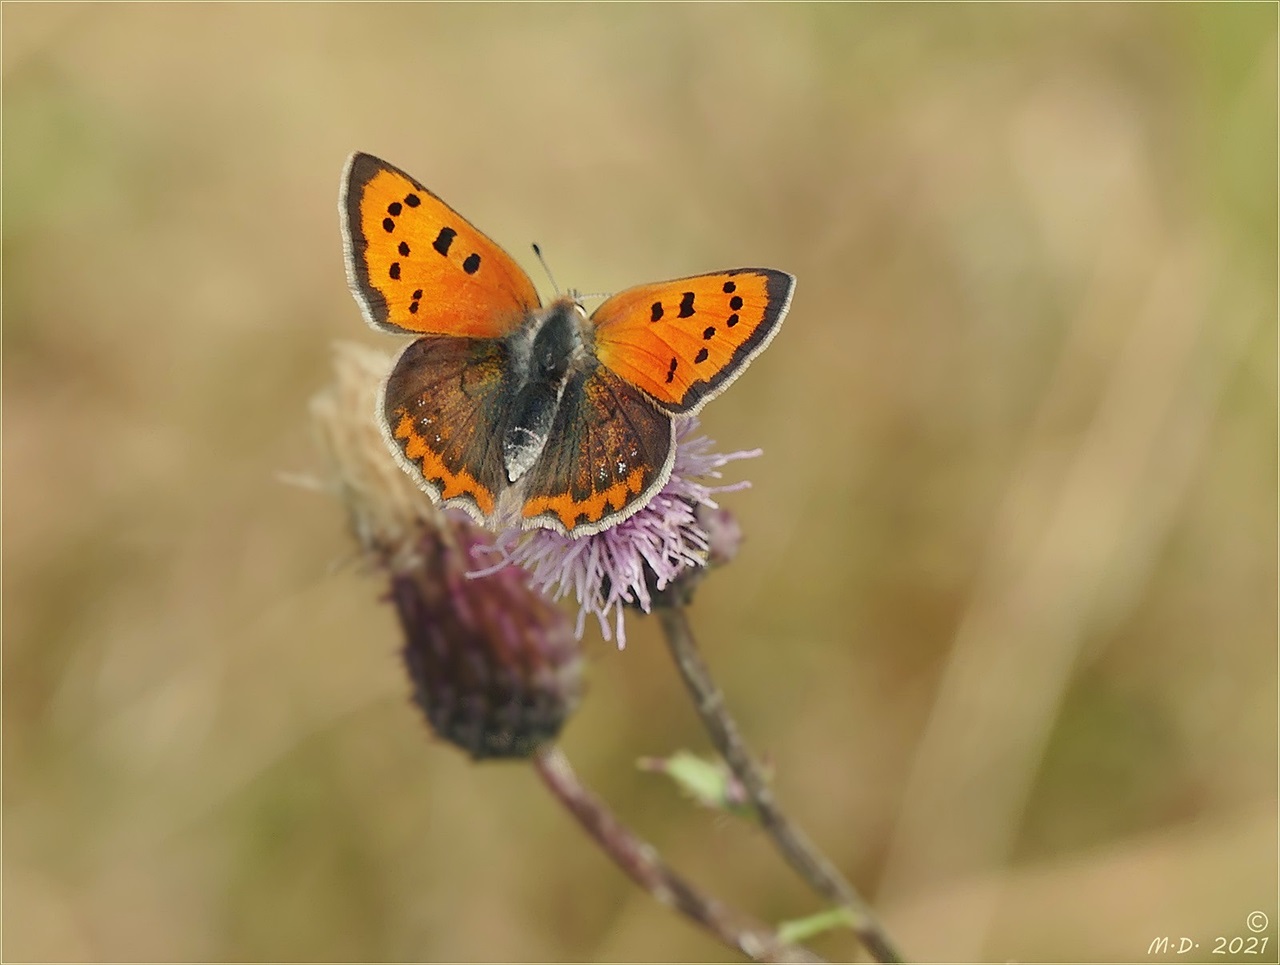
[
  {"x": 417, "y": 266},
  {"x": 682, "y": 342}
]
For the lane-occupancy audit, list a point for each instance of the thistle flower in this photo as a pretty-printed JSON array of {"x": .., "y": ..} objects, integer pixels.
[
  {"x": 676, "y": 536},
  {"x": 495, "y": 666}
]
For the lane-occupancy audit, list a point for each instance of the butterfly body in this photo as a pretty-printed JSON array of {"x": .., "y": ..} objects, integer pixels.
[
  {"x": 516, "y": 412},
  {"x": 555, "y": 348}
]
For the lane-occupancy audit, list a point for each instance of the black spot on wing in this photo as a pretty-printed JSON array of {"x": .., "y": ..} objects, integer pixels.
[
  {"x": 443, "y": 240},
  {"x": 778, "y": 287}
]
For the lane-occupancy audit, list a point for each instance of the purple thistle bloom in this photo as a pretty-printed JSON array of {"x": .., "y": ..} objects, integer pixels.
[{"x": 624, "y": 565}]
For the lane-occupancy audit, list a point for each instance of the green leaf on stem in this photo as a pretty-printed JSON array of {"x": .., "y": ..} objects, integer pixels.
[
  {"x": 802, "y": 929},
  {"x": 709, "y": 782}
]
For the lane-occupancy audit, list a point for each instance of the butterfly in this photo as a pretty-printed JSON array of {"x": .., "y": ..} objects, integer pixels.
[{"x": 515, "y": 411}]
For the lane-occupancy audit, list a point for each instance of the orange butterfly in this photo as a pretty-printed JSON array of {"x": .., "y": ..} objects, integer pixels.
[{"x": 509, "y": 409}]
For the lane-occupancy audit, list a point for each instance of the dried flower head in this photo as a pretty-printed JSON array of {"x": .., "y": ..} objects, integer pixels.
[
  {"x": 495, "y": 666},
  {"x": 678, "y": 534}
]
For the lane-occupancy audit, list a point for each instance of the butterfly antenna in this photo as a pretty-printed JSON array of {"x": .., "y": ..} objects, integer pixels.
[{"x": 538, "y": 251}]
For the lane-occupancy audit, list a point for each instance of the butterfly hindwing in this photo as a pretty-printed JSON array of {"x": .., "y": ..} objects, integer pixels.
[
  {"x": 682, "y": 342},
  {"x": 417, "y": 266},
  {"x": 441, "y": 402},
  {"x": 611, "y": 450}
]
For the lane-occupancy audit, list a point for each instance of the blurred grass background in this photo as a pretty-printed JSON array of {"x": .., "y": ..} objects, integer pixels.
[{"x": 1005, "y": 619}]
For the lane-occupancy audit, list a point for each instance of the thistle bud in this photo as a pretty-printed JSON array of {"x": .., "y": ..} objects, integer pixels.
[
  {"x": 724, "y": 534},
  {"x": 495, "y": 666}
]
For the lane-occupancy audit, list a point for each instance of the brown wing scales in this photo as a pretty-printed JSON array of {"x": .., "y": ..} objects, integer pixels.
[
  {"x": 609, "y": 451},
  {"x": 443, "y": 399}
]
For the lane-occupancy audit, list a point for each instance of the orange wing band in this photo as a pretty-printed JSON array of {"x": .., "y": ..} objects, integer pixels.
[
  {"x": 572, "y": 512},
  {"x": 450, "y": 485}
]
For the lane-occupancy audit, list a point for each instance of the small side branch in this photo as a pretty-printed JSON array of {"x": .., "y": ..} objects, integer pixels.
[{"x": 643, "y": 865}]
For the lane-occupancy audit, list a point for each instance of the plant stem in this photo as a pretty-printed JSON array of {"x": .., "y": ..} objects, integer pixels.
[
  {"x": 799, "y": 852},
  {"x": 643, "y": 865}
]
